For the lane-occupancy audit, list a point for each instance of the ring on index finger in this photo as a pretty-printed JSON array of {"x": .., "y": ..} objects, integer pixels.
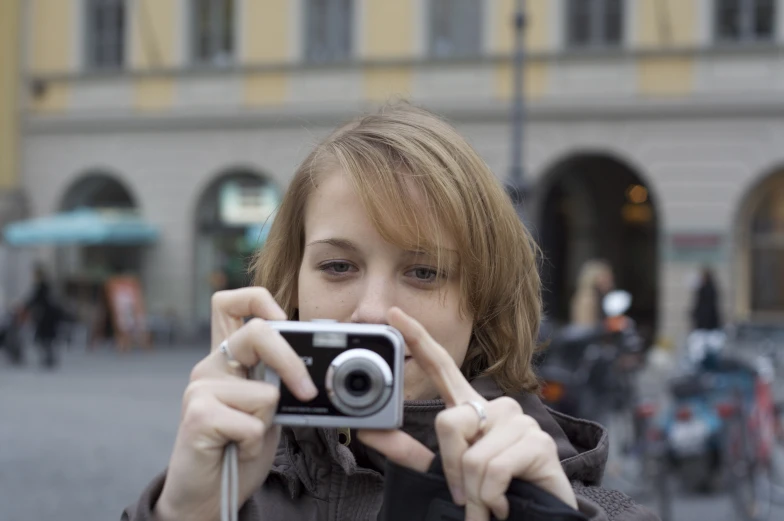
[
  {"x": 230, "y": 360},
  {"x": 482, "y": 413}
]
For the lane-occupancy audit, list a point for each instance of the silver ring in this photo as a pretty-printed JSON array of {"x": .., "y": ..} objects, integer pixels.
[
  {"x": 224, "y": 348},
  {"x": 481, "y": 412}
]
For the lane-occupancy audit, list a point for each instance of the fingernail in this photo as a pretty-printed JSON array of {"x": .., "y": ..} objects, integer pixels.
[
  {"x": 458, "y": 496},
  {"x": 307, "y": 389}
]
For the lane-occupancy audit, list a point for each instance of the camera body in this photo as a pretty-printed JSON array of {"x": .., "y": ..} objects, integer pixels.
[{"x": 357, "y": 369}]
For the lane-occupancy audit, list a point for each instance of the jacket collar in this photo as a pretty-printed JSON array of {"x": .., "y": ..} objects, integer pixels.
[{"x": 582, "y": 444}]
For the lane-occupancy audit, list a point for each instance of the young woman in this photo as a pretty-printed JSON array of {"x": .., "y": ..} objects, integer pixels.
[{"x": 393, "y": 219}]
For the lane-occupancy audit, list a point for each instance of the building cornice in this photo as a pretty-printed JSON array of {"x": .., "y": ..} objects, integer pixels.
[
  {"x": 564, "y": 56},
  {"x": 752, "y": 105}
]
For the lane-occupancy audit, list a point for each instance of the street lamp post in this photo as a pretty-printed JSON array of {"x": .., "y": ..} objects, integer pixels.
[{"x": 517, "y": 186}]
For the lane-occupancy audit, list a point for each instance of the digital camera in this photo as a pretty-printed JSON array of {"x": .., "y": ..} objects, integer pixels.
[{"x": 357, "y": 369}]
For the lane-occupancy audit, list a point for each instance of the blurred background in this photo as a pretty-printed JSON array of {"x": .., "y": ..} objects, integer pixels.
[{"x": 145, "y": 144}]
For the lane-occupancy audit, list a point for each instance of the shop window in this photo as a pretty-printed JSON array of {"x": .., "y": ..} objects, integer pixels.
[
  {"x": 455, "y": 28},
  {"x": 328, "y": 30},
  {"x": 594, "y": 23},
  {"x": 212, "y": 30},
  {"x": 105, "y": 34},
  {"x": 744, "y": 21}
]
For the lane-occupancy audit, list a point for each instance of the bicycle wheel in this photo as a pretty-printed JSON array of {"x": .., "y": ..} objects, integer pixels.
[
  {"x": 625, "y": 469},
  {"x": 663, "y": 488},
  {"x": 777, "y": 461},
  {"x": 748, "y": 480}
]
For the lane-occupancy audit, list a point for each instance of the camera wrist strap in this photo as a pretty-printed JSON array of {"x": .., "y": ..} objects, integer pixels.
[{"x": 229, "y": 484}]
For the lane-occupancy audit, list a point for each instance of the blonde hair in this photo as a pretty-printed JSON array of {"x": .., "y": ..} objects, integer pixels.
[
  {"x": 403, "y": 150},
  {"x": 590, "y": 274},
  {"x": 585, "y": 304}
]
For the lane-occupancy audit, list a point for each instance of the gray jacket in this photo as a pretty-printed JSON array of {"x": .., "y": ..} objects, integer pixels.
[{"x": 316, "y": 478}]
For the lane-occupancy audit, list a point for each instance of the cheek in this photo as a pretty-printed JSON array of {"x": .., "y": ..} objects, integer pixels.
[
  {"x": 447, "y": 327},
  {"x": 319, "y": 299}
]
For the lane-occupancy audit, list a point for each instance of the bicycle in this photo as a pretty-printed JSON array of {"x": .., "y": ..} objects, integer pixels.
[{"x": 749, "y": 441}]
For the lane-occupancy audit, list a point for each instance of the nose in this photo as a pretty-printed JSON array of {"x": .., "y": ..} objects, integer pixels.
[{"x": 375, "y": 299}]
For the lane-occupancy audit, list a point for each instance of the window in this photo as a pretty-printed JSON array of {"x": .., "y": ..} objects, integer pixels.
[
  {"x": 767, "y": 249},
  {"x": 105, "y": 34},
  {"x": 744, "y": 20},
  {"x": 594, "y": 23},
  {"x": 212, "y": 23},
  {"x": 455, "y": 28},
  {"x": 328, "y": 27}
]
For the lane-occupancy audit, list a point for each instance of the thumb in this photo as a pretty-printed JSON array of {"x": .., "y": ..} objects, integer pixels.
[{"x": 399, "y": 448}]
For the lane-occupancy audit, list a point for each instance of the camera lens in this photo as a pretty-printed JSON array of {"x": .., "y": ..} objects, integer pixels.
[{"x": 358, "y": 383}]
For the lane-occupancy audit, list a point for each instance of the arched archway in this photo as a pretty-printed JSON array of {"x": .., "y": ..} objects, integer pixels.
[
  {"x": 98, "y": 190},
  {"x": 760, "y": 235},
  {"x": 229, "y": 216},
  {"x": 595, "y": 206},
  {"x": 85, "y": 269}
]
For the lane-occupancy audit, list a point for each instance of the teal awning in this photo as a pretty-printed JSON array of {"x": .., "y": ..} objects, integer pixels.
[{"x": 83, "y": 226}]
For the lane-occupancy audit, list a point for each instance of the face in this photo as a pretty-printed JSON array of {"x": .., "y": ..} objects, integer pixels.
[
  {"x": 349, "y": 273},
  {"x": 605, "y": 281}
]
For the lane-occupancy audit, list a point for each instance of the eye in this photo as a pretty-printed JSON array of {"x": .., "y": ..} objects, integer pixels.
[
  {"x": 336, "y": 267},
  {"x": 424, "y": 274},
  {"x": 340, "y": 267}
]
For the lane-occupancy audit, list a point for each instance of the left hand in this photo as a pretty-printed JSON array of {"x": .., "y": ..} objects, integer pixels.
[{"x": 479, "y": 466}]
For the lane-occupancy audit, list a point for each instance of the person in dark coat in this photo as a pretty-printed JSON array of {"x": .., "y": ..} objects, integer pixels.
[
  {"x": 46, "y": 315},
  {"x": 705, "y": 314}
]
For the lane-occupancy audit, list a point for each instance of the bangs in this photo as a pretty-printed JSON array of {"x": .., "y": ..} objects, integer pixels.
[{"x": 406, "y": 208}]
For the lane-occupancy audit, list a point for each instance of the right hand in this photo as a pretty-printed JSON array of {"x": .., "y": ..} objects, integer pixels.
[{"x": 221, "y": 406}]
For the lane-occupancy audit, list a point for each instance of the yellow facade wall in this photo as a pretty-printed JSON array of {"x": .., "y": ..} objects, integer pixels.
[
  {"x": 388, "y": 28},
  {"x": 152, "y": 24},
  {"x": 54, "y": 97},
  {"x": 665, "y": 24},
  {"x": 9, "y": 83},
  {"x": 388, "y": 33},
  {"x": 51, "y": 35},
  {"x": 265, "y": 29},
  {"x": 535, "y": 80},
  {"x": 538, "y": 14},
  {"x": 661, "y": 23},
  {"x": 153, "y": 94},
  {"x": 665, "y": 76},
  {"x": 266, "y": 88},
  {"x": 384, "y": 84}
]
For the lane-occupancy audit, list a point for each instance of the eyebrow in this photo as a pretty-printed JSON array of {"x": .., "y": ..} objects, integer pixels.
[
  {"x": 346, "y": 244},
  {"x": 343, "y": 244}
]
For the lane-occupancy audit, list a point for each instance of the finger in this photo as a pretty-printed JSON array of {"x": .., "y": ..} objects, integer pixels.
[
  {"x": 257, "y": 342},
  {"x": 515, "y": 459},
  {"x": 458, "y": 427},
  {"x": 258, "y": 399},
  {"x": 534, "y": 459},
  {"x": 212, "y": 424},
  {"x": 475, "y": 460},
  {"x": 230, "y": 307},
  {"x": 434, "y": 360},
  {"x": 399, "y": 447},
  {"x": 454, "y": 428},
  {"x": 477, "y": 512}
]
